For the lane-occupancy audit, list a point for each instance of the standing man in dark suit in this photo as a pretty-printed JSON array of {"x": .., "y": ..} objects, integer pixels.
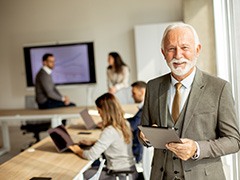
[
  {"x": 205, "y": 118},
  {"x": 47, "y": 95},
  {"x": 138, "y": 94}
]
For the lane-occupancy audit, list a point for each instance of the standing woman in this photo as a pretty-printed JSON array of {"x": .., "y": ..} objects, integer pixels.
[
  {"x": 117, "y": 73},
  {"x": 115, "y": 140}
]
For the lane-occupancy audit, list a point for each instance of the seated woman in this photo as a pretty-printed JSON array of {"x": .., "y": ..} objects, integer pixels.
[{"x": 115, "y": 140}]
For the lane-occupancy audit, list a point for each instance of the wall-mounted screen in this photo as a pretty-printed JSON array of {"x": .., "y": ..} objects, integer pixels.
[{"x": 74, "y": 63}]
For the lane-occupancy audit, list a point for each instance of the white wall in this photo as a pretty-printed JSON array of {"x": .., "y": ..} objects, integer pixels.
[
  {"x": 200, "y": 15},
  {"x": 150, "y": 62},
  {"x": 108, "y": 23}
]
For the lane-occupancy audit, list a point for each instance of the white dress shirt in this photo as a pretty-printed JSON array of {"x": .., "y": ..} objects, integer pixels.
[
  {"x": 184, "y": 90},
  {"x": 47, "y": 69}
]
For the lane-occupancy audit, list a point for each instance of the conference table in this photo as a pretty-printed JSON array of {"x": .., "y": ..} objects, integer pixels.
[
  {"x": 43, "y": 160},
  {"x": 55, "y": 115}
]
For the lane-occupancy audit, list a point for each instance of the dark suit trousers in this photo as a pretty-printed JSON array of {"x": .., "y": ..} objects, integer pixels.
[{"x": 50, "y": 103}]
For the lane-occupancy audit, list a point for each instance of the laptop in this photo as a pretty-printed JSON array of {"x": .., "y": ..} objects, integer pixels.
[
  {"x": 88, "y": 120},
  {"x": 60, "y": 138}
]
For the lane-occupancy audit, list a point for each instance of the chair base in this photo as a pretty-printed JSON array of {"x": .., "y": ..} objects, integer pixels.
[{"x": 35, "y": 127}]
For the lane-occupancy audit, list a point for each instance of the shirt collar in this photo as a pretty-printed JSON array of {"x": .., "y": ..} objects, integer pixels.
[
  {"x": 47, "y": 69},
  {"x": 187, "y": 82},
  {"x": 140, "y": 105}
]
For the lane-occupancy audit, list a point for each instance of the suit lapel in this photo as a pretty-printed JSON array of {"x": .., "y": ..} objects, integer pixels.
[
  {"x": 163, "y": 105},
  {"x": 194, "y": 96}
]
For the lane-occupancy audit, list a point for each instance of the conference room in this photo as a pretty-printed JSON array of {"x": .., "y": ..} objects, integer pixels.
[{"x": 130, "y": 28}]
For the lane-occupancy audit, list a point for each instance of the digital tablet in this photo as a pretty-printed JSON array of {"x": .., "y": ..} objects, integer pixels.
[{"x": 159, "y": 137}]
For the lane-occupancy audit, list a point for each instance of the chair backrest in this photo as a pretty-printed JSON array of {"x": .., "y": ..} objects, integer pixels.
[
  {"x": 30, "y": 102},
  {"x": 95, "y": 177},
  {"x": 98, "y": 173}
]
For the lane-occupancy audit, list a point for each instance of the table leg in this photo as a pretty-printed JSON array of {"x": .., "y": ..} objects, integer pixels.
[
  {"x": 56, "y": 121},
  {"x": 79, "y": 176},
  {"x": 5, "y": 137}
]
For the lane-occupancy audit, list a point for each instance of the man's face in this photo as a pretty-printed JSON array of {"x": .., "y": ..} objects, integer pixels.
[
  {"x": 180, "y": 52},
  {"x": 50, "y": 62},
  {"x": 137, "y": 94}
]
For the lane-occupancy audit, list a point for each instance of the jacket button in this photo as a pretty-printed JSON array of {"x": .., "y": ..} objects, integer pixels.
[
  {"x": 161, "y": 169},
  {"x": 174, "y": 158}
]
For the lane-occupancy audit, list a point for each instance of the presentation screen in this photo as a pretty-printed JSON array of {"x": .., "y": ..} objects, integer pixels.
[{"x": 74, "y": 63}]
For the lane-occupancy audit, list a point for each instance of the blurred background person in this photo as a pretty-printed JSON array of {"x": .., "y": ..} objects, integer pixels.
[
  {"x": 117, "y": 73},
  {"x": 115, "y": 140},
  {"x": 138, "y": 94},
  {"x": 47, "y": 95}
]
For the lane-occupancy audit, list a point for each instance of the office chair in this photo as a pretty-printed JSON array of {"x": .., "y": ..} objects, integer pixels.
[
  {"x": 98, "y": 173},
  {"x": 118, "y": 173},
  {"x": 34, "y": 126},
  {"x": 95, "y": 176}
]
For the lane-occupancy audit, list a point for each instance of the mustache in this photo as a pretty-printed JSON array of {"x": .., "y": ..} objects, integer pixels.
[{"x": 179, "y": 61}]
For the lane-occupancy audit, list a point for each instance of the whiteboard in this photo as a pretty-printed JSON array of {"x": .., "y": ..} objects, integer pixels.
[{"x": 150, "y": 62}]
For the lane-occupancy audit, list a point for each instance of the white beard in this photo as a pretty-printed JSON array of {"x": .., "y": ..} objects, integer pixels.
[{"x": 179, "y": 71}]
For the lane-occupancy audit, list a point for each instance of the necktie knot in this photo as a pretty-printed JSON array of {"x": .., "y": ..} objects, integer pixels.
[{"x": 178, "y": 86}]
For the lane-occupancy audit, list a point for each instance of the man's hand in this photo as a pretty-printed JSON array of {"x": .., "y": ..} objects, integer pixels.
[
  {"x": 145, "y": 141},
  {"x": 184, "y": 150},
  {"x": 66, "y": 100},
  {"x": 142, "y": 136}
]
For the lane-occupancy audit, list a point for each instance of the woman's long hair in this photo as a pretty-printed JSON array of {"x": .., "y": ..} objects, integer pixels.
[
  {"x": 112, "y": 114},
  {"x": 118, "y": 62}
]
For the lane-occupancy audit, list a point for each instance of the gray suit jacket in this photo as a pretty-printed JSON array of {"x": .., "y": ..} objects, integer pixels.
[
  {"x": 45, "y": 88},
  {"x": 210, "y": 119}
]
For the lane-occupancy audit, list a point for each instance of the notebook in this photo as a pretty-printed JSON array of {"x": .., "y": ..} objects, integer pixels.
[
  {"x": 60, "y": 138},
  {"x": 88, "y": 120}
]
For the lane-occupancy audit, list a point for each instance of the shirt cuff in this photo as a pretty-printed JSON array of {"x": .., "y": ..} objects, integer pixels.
[{"x": 197, "y": 153}]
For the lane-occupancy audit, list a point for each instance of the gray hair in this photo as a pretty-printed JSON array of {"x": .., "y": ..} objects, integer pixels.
[{"x": 180, "y": 25}]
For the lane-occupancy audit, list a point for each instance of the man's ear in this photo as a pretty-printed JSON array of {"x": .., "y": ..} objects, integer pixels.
[
  {"x": 163, "y": 52},
  {"x": 198, "y": 49},
  {"x": 142, "y": 90}
]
